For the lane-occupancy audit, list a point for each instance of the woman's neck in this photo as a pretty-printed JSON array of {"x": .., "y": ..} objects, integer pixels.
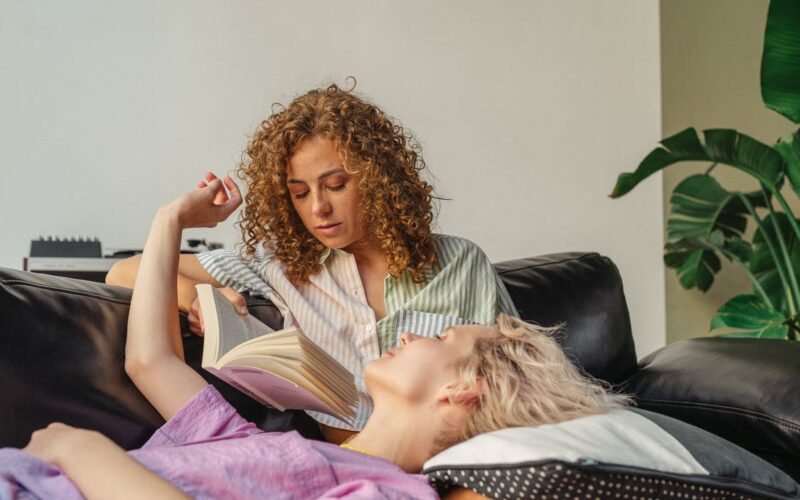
[
  {"x": 403, "y": 438},
  {"x": 367, "y": 251}
]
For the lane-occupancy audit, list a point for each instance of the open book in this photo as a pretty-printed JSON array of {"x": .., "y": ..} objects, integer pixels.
[{"x": 283, "y": 369}]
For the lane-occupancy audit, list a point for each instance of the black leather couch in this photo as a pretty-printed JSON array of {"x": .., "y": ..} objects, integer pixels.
[{"x": 62, "y": 345}]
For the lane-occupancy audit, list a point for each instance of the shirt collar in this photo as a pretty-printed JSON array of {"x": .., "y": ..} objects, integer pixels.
[{"x": 325, "y": 254}]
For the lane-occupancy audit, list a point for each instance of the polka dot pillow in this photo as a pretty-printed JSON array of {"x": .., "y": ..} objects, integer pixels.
[{"x": 622, "y": 454}]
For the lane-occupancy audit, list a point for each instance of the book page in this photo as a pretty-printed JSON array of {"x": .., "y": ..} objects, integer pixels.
[
  {"x": 294, "y": 349},
  {"x": 283, "y": 369},
  {"x": 274, "y": 390},
  {"x": 223, "y": 324}
]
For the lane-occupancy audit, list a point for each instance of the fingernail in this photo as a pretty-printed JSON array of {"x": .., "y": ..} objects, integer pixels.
[{"x": 243, "y": 310}]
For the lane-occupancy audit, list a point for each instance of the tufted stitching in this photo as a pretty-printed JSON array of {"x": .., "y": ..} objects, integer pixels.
[
  {"x": 782, "y": 423},
  {"x": 70, "y": 291}
]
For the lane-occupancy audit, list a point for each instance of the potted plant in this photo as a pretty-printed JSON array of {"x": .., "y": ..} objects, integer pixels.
[{"x": 707, "y": 222}]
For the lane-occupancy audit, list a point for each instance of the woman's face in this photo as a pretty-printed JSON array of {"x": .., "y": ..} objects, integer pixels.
[
  {"x": 420, "y": 367},
  {"x": 324, "y": 195}
]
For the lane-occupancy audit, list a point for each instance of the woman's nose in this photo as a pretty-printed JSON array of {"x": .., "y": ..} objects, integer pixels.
[
  {"x": 321, "y": 205},
  {"x": 407, "y": 338}
]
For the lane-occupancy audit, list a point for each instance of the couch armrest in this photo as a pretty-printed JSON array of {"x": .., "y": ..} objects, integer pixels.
[
  {"x": 745, "y": 390},
  {"x": 62, "y": 346},
  {"x": 61, "y": 359}
]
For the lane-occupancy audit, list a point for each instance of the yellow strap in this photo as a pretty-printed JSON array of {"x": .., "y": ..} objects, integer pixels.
[{"x": 360, "y": 450}]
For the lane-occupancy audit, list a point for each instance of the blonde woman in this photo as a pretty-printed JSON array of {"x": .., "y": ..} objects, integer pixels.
[
  {"x": 337, "y": 233},
  {"x": 429, "y": 393}
]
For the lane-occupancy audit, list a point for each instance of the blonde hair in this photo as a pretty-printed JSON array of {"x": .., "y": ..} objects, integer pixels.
[{"x": 524, "y": 378}]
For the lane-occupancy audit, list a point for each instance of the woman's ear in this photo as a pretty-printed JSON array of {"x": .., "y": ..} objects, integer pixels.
[{"x": 461, "y": 395}]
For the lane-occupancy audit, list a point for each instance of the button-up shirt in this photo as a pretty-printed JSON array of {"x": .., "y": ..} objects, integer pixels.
[{"x": 331, "y": 307}]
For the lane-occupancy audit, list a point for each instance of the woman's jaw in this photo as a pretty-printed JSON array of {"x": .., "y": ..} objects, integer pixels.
[
  {"x": 418, "y": 395},
  {"x": 418, "y": 367}
]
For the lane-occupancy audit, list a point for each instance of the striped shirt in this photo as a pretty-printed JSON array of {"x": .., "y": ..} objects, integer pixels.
[{"x": 332, "y": 310}]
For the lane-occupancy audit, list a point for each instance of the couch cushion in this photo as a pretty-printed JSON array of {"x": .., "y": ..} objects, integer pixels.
[
  {"x": 624, "y": 452},
  {"x": 744, "y": 390},
  {"x": 584, "y": 291}
]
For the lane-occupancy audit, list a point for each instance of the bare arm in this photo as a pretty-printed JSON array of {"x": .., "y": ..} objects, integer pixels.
[
  {"x": 190, "y": 273},
  {"x": 153, "y": 350},
  {"x": 98, "y": 467}
]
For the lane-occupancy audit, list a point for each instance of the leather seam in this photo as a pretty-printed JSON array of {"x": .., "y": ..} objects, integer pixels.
[
  {"x": 69, "y": 291},
  {"x": 584, "y": 256},
  {"x": 257, "y": 302},
  {"x": 723, "y": 409}
]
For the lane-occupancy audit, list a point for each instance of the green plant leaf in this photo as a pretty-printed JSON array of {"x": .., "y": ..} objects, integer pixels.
[
  {"x": 752, "y": 317},
  {"x": 762, "y": 264},
  {"x": 789, "y": 149},
  {"x": 696, "y": 258},
  {"x": 780, "y": 63},
  {"x": 776, "y": 333},
  {"x": 696, "y": 267},
  {"x": 698, "y": 207},
  {"x": 739, "y": 248},
  {"x": 728, "y": 147}
]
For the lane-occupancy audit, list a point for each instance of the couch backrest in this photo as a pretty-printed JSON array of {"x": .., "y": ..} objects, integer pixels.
[
  {"x": 582, "y": 290},
  {"x": 62, "y": 344}
]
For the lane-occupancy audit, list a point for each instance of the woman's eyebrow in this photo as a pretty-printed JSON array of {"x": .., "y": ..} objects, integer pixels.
[{"x": 323, "y": 175}]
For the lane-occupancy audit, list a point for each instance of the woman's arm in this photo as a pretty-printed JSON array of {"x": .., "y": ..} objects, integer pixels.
[
  {"x": 190, "y": 273},
  {"x": 98, "y": 467},
  {"x": 153, "y": 350}
]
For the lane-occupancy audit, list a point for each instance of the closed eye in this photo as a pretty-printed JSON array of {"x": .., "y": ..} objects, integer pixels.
[{"x": 337, "y": 187}]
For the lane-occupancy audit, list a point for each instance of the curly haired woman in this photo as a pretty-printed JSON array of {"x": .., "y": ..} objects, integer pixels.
[{"x": 337, "y": 233}]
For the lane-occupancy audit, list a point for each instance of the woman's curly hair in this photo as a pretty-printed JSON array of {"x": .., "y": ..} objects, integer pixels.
[{"x": 386, "y": 160}]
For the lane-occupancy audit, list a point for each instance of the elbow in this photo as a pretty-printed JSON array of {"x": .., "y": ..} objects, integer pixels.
[
  {"x": 134, "y": 367},
  {"x": 123, "y": 273},
  {"x": 138, "y": 365}
]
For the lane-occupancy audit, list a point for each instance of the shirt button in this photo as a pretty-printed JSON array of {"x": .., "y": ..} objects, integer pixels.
[{"x": 369, "y": 328}]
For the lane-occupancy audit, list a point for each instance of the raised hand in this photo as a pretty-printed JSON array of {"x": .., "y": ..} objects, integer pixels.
[
  {"x": 208, "y": 205},
  {"x": 222, "y": 196}
]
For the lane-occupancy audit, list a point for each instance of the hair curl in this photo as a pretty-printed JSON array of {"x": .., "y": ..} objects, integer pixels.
[
  {"x": 386, "y": 160},
  {"x": 524, "y": 378}
]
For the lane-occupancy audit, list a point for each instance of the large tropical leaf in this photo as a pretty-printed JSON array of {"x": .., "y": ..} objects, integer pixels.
[
  {"x": 752, "y": 317},
  {"x": 696, "y": 266},
  {"x": 762, "y": 263},
  {"x": 789, "y": 149},
  {"x": 696, "y": 258},
  {"x": 780, "y": 64},
  {"x": 699, "y": 206},
  {"x": 728, "y": 147}
]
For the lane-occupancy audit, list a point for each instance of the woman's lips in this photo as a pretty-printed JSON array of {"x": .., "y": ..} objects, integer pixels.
[
  {"x": 390, "y": 353},
  {"x": 329, "y": 229}
]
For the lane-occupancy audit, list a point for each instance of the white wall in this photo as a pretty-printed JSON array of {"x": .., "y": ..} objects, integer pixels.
[{"x": 527, "y": 111}]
